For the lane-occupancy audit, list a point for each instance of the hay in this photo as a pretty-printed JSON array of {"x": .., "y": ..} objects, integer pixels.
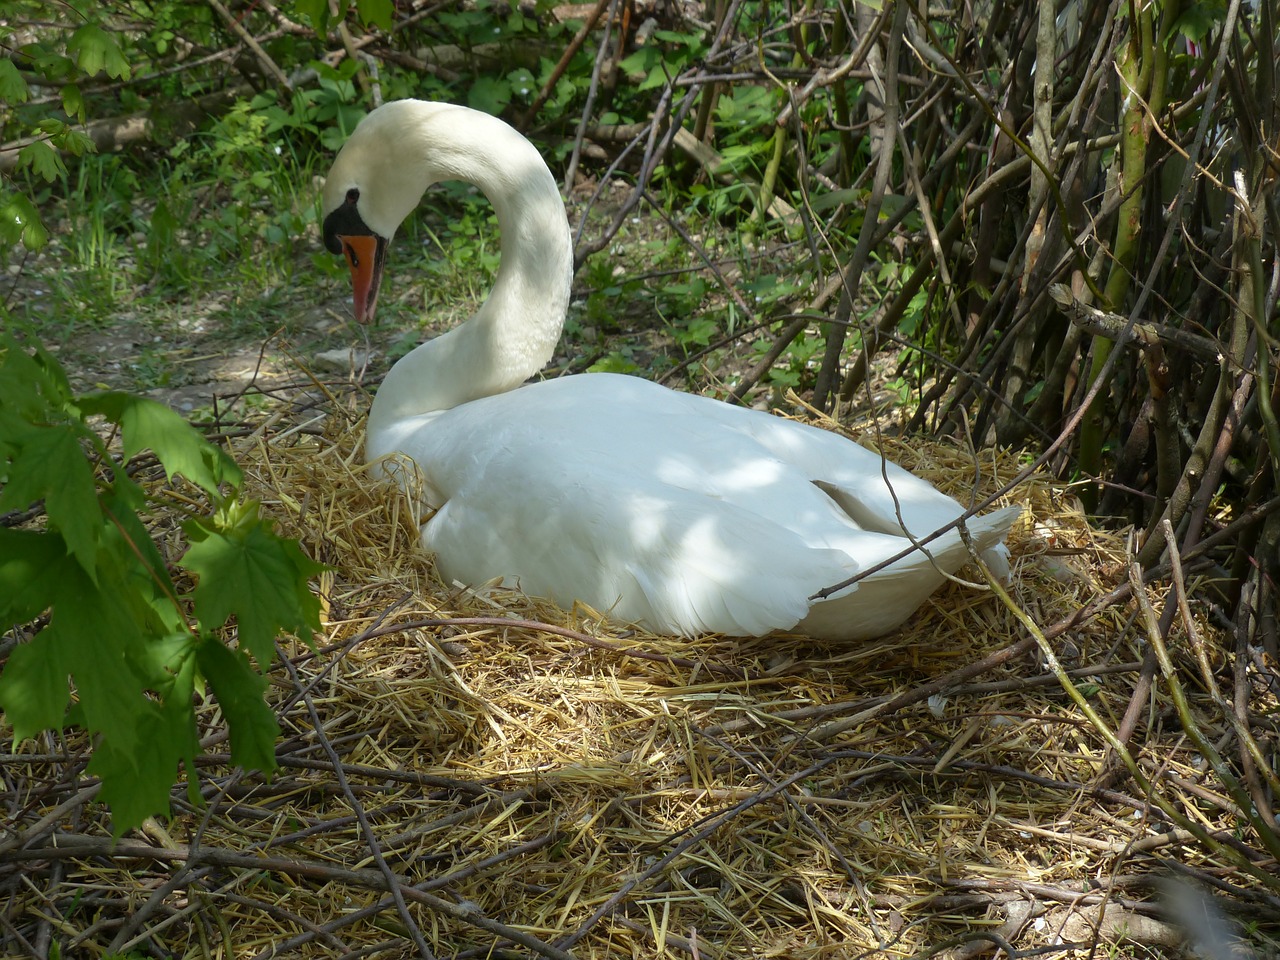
[{"x": 532, "y": 781}]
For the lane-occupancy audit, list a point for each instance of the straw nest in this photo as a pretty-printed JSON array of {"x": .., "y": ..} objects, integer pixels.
[{"x": 476, "y": 774}]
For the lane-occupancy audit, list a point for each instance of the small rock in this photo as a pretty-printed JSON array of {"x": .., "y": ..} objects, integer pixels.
[{"x": 343, "y": 359}]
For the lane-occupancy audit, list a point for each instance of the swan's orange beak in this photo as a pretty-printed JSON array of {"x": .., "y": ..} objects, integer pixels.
[{"x": 364, "y": 255}]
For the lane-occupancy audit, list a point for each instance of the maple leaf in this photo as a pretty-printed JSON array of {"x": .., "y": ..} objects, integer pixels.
[
  {"x": 179, "y": 446},
  {"x": 48, "y": 463},
  {"x": 239, "y": 689},
  {"x": 43, "y": 160},
  {"x": 33, "y": 688},
  {"x": 94, "y": 49},
  {"x": 19, "y": 220},
  {"x": 137, "y": 783},
  {"x": 247, "y": 571},
  {"x": 13, "y": 89},
  {"x": 32, "y": 563},
  {"x": 377, "y": 12}
]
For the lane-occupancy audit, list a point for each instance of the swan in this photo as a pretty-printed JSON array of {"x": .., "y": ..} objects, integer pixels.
[{"x": 677, "y": 512}]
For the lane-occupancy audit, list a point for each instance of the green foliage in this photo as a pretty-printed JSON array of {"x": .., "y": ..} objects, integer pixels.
[
  {"x": 317, "y": 12},
  {"x": 93, "y": 50},
  {"x": 136, "y": 645}
]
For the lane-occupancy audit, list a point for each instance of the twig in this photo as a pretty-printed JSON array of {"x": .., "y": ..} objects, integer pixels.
[
  {"x": 238, "y": 29},
  {"x": 81, "y": 846}
]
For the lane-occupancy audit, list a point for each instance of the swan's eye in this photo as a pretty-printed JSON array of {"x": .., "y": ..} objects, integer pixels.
[
  {"x": 353, "y": 195},
  {"x": 353, "y": 258}
]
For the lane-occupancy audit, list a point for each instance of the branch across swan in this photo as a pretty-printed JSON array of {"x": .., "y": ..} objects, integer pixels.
[{"x": 675, "y": 511}]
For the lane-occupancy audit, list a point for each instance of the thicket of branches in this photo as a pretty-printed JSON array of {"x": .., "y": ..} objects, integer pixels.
[{"x": 1056, "y": 221}]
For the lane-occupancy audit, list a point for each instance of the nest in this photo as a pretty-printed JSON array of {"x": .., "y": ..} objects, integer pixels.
[{"x": 471, "y": 773}]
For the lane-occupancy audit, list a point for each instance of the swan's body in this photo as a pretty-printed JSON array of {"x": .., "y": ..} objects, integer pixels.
[{"x": 672, "y": 510}]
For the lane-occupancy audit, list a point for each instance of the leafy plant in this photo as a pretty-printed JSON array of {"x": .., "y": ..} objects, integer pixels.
[{"x": 137, "y": 646}]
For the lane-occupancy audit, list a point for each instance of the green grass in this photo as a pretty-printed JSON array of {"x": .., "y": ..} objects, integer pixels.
[{"x": 213, "y": 245}]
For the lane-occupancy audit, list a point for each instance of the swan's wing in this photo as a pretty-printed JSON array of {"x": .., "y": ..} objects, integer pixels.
[
  {"x": 657, "y": 556},
  {"x": 602, "y": 489},
  {"x": 875, "y": 492}
]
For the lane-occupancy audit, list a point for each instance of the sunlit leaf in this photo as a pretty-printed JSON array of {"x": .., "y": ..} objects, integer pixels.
[
  {"x": 490, "y": 94},
  {"x": 148, "y": 425},
  {"x": 248, "y": 572}
]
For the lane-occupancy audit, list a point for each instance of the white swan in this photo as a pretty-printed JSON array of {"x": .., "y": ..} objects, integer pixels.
[{"x": 679, "y": 512}]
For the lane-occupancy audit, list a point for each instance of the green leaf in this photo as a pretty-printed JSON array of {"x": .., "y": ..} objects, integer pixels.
[
  {"x": 50, "y": 464},
  {"x": 107, "y": 645},
  {"x": 130, "y": 548},
  {"x": 93, "y": 636},
  {"x": 239, "y": 689},
  {"x": 146, "y": 424},
  {"x": 73, "y": 102},
  {"x": 19, "y": 220},
  {"x": 614, "y": 362},
  {"x": 33, "y": 688},
  {"x": 377, "y": 12},
  {"x": 94, "y": 49},
  {"x": 490, "y": 94},
  {"x": 32, "y": 564},
  {"x": 73, "y": 141},
  {"x": 1198, "y": 19},
  {"x": 13, "y": 89},
  {"x": 316, "y": 12},
  {"x": 828, "y": 201},
  {"x": 137, "y": 780},
  {"x": 33, "y": 386},
  {"x": 43, "y": 160},
  {"x": 137, "y": 783},
  {"x": 247, "y": 571}
]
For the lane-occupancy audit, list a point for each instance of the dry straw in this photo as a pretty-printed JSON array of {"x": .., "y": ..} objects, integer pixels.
[{"x": 470, "y": 773}]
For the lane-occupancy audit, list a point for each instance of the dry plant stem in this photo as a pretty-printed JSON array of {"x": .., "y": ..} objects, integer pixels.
[
  {"x": 1240, "y": 705},
  {"x": 730, "y": 289},
  {"x": 1243, "y": 802},
  {"x": 1137, "y": 73},
  {"x": 602, "y": 54},
  {"x": 263, "y": 58},
  {"x": 1038, "y": 209},
  {"x": 1155, "y": 636},
  {"x": 1238, "y": 723},
  {"x": 373, "y": 909},
  {"x": 47, "y": 823},
  {"x": 558, "y": 70},
  {"x": 1253, "y": 300},
  {"x": 828, "y": 373},
  {"x": 1197, "y": 830},
  {"x": 370, "y": 837},
  {"x": 1110, "y": 325},
  {"x": 77, "y": 846},
  {"x": 716, "y": 821},
  {"x": 512, "y": 623},
  {"x": 921, "y": 693}
]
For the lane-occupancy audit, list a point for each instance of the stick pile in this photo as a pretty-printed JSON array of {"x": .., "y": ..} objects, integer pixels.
[{"x": 476, "y": 774}]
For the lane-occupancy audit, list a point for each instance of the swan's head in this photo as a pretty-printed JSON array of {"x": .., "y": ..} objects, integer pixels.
[{"x": 375, "y": 182}]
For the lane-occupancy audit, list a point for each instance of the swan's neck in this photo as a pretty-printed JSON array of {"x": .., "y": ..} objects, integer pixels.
[{"x": 514, "y": 333}]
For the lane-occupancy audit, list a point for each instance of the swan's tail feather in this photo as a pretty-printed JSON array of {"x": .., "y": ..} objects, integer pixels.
[{"x": 883, "y": 601}]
